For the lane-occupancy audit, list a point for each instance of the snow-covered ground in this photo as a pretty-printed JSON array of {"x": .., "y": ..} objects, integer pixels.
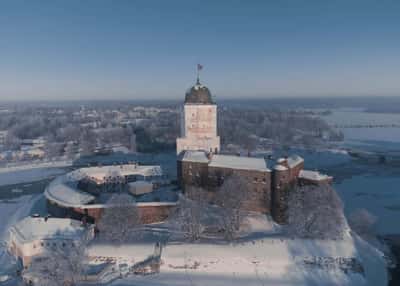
[
  {"x": 263, "y": 257},
  {"x": 11, "y": 211}
]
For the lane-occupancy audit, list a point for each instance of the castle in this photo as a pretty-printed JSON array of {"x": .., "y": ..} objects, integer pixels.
[{"x": 200, "y": 163}]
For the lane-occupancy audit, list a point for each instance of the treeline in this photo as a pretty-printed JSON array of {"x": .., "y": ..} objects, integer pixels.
[{"x": 154, "y": 129}]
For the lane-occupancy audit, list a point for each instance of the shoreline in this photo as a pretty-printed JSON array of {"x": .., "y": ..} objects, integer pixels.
[{"x": 394, "y": 244}]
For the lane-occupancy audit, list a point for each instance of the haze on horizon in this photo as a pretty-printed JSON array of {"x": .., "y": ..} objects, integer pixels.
[{"x": 69, "y": 50}]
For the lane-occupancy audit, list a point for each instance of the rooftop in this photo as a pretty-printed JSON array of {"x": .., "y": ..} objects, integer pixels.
[
  {"x": 313, "y": 175},
  {"x": 238, "y": 162},
  {"x": 60, "y": 192},
  {"x": 280, "y": 168},
  {"x": 99, "y": 173},
  {"x": 198, "y": 94},
  {"x": 64, "y": 190},
  {"x": 37, "y": 228},
  {"x": 294, "y": 160},
  {"x": 195, "y": 156}
]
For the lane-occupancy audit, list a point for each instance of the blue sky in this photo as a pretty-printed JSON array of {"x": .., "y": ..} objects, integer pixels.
[{"x": 135, "y": 49}]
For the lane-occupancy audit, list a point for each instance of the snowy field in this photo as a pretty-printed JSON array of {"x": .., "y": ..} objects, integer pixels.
[{"x": 264, "y": 257}]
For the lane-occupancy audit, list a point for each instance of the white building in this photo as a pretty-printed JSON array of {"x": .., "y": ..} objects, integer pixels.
[
  {"x": 198, "y": 121},
  {"x": 32, "y": 236}
]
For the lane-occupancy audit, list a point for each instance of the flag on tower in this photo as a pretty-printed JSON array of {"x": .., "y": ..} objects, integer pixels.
[{"x": 199, "y": 67}]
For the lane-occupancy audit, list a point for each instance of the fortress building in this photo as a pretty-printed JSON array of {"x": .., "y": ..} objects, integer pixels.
[
  {"x": 200, "y": 164},
  {"x": 198, "y": 121}
]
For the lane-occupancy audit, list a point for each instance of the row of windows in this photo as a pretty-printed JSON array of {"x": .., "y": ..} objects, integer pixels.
[{"x": 54, "y": 244}]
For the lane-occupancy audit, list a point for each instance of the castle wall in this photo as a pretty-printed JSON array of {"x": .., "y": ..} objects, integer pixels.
[
  {"x": 259, "y": 186},
  {"x": 294, "y": 171},
  {"x": 192, "y": 174},
  {"x": 148, "y": 213},
  {"x": 210, "y": 178}
]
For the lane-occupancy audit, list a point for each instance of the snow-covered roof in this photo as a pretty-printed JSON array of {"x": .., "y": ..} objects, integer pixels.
[
  {"x": 59, "y": 192},
  {"x": 63, "y": 191},
  {"x": 195, "y": 156},
  {"x": 98, "y": 174},
  {"x": 281, "y": 160},
  {"x": 280, "y": 168},
  {"x": 121, "y": 170},
  {"x": 37, "y": 228},
  {"x": 140, "y": 183},
  {"x": 294, "y": 160},
  {"x": 237, "y": 162},
  {"x": 313, "y": 175}
]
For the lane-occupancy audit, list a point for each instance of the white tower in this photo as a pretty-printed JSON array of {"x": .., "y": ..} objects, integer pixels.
[{"x": 198, "y": 121}]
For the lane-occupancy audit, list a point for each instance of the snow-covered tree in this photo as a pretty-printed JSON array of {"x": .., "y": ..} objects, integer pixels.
[
  {"x": 315, "y": 212},
  {"x": 231, "y": 197},
  {"x": 189, "y": 214},
  {"x": 87, "y": 142},
  {"x": 61, "y": 264},
  {"x": 52, "y": 149},
  {"x": 120, "y": 219},
  {"x": 132, "y": 142}
]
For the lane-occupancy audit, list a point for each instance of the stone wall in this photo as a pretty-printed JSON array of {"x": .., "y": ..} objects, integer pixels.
[
  {"x": 294, "y": 172},
  {"x": 210, "y": 178},
  {"x": 192, "y": 174},
  {"x": 148, "y": 213},
  {"x": 259, "y": 186}
]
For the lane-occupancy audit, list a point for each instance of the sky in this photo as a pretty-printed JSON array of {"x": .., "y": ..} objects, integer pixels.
[{"x": 73, "y": 50}]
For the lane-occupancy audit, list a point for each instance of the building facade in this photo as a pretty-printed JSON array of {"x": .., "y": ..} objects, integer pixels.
[{"x": 34, "y": 236}]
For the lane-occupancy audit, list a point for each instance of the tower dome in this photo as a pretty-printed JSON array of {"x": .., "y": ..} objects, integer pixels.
[{"x": 198, "y": 94}]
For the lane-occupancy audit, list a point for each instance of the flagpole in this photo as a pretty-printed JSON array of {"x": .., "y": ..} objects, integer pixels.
[{"x": 198, "y": 74}]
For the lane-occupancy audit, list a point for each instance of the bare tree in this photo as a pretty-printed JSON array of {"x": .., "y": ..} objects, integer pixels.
[
  {"x": 190, "y": 211},
  {"x": 315, "y": 212},
  {"x": 120, "y": 220},
  {"x": 87, "y": 142},
  {"x": 12, "y": 142},
  {"x": 52, "y": 149},
  {"x": 132, "y": 142},
  {"x": 70, "y": 150},
  {"x": 231, "y": 196},
  {"x": 363, "y": 223}
]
